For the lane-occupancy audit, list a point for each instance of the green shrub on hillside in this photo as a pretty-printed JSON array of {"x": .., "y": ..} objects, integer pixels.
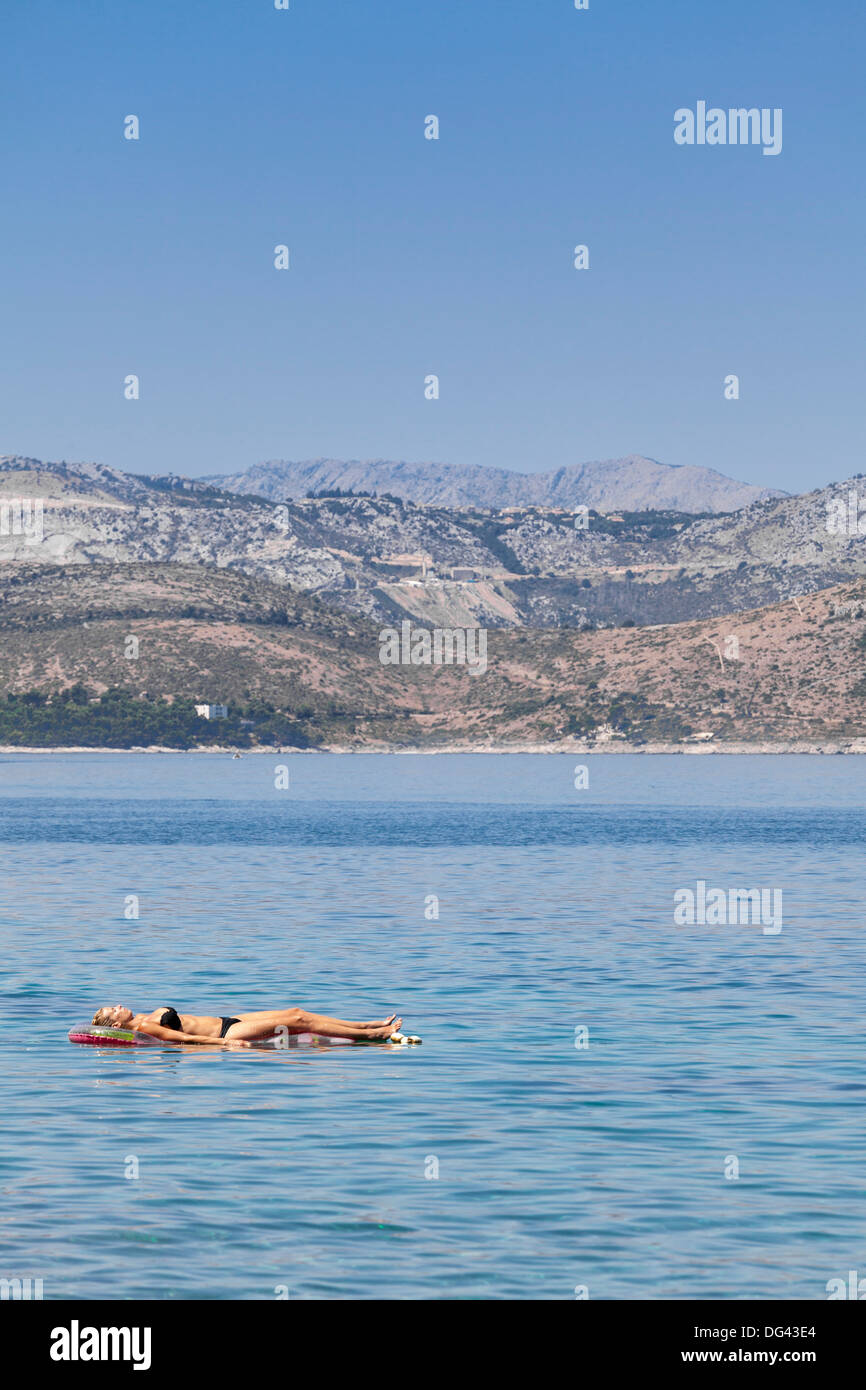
[{"x": 75, "y": 717}]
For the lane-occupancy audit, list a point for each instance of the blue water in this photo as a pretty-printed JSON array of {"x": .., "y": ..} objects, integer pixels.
[{"x": 558, "y": 1166}]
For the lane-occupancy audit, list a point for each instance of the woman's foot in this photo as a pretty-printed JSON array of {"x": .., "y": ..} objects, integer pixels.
[{"x": 383, "y": 1032}]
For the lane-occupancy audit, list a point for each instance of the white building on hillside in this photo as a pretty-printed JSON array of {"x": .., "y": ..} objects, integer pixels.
[{"x": 212, "y": 711}]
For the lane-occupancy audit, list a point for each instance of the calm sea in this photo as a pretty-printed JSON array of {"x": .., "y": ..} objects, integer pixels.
[{"x": 604, "y": 1100}]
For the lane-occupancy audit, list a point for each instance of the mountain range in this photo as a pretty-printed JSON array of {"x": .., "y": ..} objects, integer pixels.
[
  {"x": 447, "y": 566},
  {"x": 660, "y": 626},
  {"x": 625, "y": 484}
]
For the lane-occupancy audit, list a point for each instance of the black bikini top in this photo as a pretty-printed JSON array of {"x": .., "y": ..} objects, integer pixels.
[{"x": 171, "y": 1019}]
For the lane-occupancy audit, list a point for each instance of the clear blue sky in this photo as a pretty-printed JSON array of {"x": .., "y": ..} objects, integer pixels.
[{"x": 412, "y": 256}]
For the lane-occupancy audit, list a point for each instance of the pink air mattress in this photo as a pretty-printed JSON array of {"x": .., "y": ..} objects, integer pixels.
[{"x": 122, "y": 1037}]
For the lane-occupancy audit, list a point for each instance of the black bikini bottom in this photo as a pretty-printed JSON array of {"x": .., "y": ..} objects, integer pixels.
[{"x": 226, "y": 1025}]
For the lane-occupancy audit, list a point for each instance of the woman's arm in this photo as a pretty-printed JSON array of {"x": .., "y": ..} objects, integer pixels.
[{"x": 156, "y": 1030}]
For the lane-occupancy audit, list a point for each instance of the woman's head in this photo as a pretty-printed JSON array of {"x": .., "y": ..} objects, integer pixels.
[{"x": 113, "y": 1016}]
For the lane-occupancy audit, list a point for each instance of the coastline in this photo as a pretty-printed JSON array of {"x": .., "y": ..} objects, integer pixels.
[{"x": 818, "y": 748}]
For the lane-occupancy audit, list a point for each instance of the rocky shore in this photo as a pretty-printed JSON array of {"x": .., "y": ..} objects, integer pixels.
[{"x": 570, "y": 746}]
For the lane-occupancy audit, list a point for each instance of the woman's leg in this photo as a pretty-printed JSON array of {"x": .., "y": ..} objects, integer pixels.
[
  {"x": 266, "y": 1022},
  {"x": 377, "y": 1024},
  {"x": 339, "y": 1028},
  {"x": 286, "y": 1018}
]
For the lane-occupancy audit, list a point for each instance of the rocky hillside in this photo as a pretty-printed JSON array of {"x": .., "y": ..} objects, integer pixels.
[
  {"x": 631, "y": 484},
  {"x": 794, "y": 672},
  {"x": 387, "y": 559}
]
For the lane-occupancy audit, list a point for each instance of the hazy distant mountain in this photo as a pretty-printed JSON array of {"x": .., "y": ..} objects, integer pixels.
[{"x": 628, "y": 484}]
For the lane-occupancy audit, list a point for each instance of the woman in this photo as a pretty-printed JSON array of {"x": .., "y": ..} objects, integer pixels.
[{"x": 244, "y": 1029}]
